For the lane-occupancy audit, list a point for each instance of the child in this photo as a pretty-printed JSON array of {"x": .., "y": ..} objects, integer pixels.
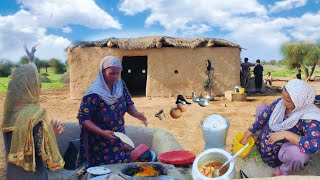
[
  {"x": 268, "y": 79},
  {"x": 298, "y": 76}
]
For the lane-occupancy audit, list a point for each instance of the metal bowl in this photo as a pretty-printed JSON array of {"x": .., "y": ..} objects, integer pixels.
[
  {"x": 195, "y": 99},
  {"x": 203, "y": 102},
  {"x": 210, "y": 98}
]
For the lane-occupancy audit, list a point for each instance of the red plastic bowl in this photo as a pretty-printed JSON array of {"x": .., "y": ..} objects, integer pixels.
[
  {"x": 178, "y": 158},
  {"x": 138, "y": 151}
]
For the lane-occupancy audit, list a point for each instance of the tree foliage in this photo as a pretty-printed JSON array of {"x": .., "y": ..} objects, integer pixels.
[
  {"x": 301, "y": 54},
  {"x": 5, "y": 68},
  {"x": 59, "y": 67}
]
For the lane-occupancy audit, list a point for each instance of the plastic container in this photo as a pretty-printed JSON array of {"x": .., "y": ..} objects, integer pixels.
[
  {"x": 214, "y": 129},
  {"x": 237, "y": 145},
  {"x": 138, "y": 151},
  {"x": 211, "y": 155},
  {"x": 241, "y": 90}
]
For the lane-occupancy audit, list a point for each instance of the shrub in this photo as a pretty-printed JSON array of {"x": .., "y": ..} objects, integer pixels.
[
  {"x": 65, "y": 78},
  {"x": 5, "y": 69},
  {"x": 44, "y": 79}
]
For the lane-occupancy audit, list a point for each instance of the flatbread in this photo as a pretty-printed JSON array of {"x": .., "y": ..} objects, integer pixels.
[
  {"x": 98, "y": 170},
  {"x": 124, "y": 138}
]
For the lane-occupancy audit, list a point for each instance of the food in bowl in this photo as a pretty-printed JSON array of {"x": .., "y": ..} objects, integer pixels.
[
  {"x": 209, "y": 168},
  {"x": 146, "y": 171}
]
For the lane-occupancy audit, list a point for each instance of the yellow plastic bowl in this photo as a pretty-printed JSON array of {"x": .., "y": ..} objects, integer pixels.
[
  {"x": 237, "y": 145},
  {"x": 241, "y": 90}
]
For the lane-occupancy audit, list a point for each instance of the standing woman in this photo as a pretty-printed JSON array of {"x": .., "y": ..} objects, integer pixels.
[
  {"x": 30, "y": 142},
  {"x": 289, "y": 129},
  {"x": 258, "y": 74},
  {"x": 101, "y": 114}
]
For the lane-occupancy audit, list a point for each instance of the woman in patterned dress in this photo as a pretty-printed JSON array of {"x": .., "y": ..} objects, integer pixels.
[
  {"x": 101, "y": 114},
  {"x": 289, "y": 129}
]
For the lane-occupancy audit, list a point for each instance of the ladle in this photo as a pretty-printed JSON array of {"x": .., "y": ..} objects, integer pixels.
[{"x": 217, "y": 171}]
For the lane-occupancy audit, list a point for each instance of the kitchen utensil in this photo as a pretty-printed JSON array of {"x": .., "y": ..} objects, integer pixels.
[{"x": 216, "y": 172}]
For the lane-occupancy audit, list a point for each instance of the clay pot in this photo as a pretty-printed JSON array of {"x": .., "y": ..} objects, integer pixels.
[
  {"x": 182, "y": 107},
  {"x": 175, "y": 113}
]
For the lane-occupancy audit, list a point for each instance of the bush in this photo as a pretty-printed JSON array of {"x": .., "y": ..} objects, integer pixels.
[
  {"x": 44, "y": 79},
  {"x": 60, "y": 69},
  {"x": 44, "y": 74},
  {"x": 5, "y": 69},
  {"x": 65, "y": 78}
]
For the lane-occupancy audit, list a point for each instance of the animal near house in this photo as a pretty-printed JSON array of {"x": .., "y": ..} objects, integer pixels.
[{"x": 158, "y": 66}]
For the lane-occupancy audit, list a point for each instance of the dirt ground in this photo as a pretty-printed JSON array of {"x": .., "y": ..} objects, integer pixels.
[{"x": 186, "y": 129}]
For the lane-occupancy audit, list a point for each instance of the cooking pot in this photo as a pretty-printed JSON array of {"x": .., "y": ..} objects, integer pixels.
[
  {"x": 213, "y": 155},
  {"x": 175, "y": 113}
]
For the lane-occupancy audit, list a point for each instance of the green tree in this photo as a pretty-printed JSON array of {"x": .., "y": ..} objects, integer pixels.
[
  {"x": 301, "y": 54},
  {"x": 23, "y": 60},
  {"x": 5, "y": 67},
  {"x": 59, "y": 67},
  {"x": 45, "y": 64}
]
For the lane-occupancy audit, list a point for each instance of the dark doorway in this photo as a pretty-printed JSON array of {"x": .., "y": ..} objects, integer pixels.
[{"x": 134, "y": 74}]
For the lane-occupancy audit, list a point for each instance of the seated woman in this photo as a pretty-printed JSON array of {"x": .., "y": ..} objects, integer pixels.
[
  {"x": 289, "y": 129},
  {"x": 268, "y": 79},
  {"x": 29, "y": 136},
  {"x": 101, "y": 114}
]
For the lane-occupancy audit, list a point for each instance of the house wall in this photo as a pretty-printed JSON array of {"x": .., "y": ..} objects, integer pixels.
[{"x": 162, "y": 63}]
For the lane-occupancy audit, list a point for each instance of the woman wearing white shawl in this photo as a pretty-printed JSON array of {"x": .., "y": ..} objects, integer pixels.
[
  {"x": 101, "y": 114},
  {"x": 290, "y": 129}
]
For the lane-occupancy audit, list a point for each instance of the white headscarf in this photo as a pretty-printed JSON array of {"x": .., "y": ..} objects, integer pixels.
[
  {"x": 100, "y": 87},
  {"x": 302, "y": 95}
]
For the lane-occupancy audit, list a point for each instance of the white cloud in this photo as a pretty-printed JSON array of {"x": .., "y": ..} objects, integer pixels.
[
  {"x": 245, "y": 22},
  {"x": 60, "y": 13},
  {"x": 306, "y": 27},
  {"x": 187, "y": 15},
  {"x": 67, "y": 29},
  {"x": 287, "y": 4},
  {"x": 24, "y": 28}
]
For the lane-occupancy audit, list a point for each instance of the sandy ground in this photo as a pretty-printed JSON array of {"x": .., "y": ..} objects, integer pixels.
[{"x": 186, "y": 129}]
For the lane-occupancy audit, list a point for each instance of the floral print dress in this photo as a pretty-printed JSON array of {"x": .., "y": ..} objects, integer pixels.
[
  {"x": 100, "y": 149},
  {"x": 308, "y": 131}
]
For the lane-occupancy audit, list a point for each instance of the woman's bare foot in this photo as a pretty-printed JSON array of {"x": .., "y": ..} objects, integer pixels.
[{"x": 277, "y": 172}]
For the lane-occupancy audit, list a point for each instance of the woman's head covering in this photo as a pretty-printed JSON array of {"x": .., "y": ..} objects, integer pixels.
[
  {"x": 22, "y": 112},
  {"x": 302, "y": 95},
  {"x": 100, "y": 87}
]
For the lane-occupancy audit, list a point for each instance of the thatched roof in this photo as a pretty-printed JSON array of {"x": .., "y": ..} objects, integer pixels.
[{"x": 155, "y": 42}]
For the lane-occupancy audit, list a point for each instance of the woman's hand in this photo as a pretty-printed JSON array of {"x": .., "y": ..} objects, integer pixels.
[
  {"x": 58, "y": 127},
  {"x": 142, "y": 118},
  {"x": 277, "y": 136},
  {"x": 109, "y": 134},
  {"x": 245, "y": 138},
  {"x": 244, "y": 141}
]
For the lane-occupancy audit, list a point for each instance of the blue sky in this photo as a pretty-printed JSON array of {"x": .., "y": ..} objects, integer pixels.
[{"x": 259, "y": 26}]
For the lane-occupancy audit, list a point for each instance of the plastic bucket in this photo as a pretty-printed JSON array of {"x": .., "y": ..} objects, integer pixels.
[
  {"x": 241, "y": 90},
  {"x": 214, "y": 129},
  {"x": 237, "y": 145}
]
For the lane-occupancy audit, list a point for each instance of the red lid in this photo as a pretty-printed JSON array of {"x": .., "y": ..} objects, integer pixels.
[
  {"x": 181, "y": 157},
  {"x": 138, "y": 151}
]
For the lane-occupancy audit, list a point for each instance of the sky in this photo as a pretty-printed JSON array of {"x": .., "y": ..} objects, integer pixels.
[{"x": 258, "y": 26}]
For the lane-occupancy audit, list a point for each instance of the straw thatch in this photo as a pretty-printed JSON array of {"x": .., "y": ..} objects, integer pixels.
[{"x": 155, "y": 42}]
